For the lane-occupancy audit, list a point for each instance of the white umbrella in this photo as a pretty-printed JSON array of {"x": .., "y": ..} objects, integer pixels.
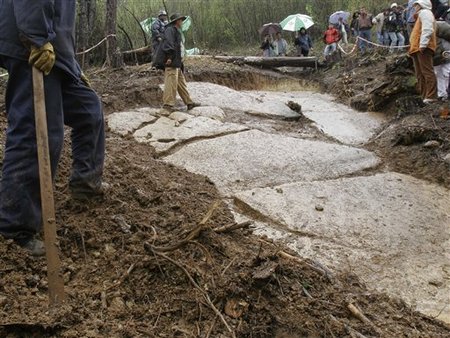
[{"x": 295, "y": 22}]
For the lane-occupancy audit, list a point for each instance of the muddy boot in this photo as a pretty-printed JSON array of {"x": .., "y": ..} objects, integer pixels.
[
  {"x": 85, "y": 193},
  {"x": 192, "y": 105},
  {"x": 166, "y": 110},
  {"x": 34, "y": 246}
]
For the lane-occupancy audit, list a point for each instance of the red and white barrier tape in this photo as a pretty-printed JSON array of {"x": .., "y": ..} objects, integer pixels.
[
  {"x": 378, "y": 45},
  {"x": 352, "y": 51}
]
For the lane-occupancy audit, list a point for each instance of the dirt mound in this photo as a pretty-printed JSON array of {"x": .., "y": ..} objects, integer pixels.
[
  {"x": 160, "y": 257},
  {"x": 155, "y": 259}
]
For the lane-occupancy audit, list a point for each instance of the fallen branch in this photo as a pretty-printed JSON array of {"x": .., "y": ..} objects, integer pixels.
[
  {"x": 357, "y": 313},
  {"x": 203, "y": 292},
  {"x": 191, "y": 235},
  {"x": 122, "y": 278},
  {"x": 322, "y": 270},
  {"x": 232, "y": 227},
  {"x": 351, "y": 331}
]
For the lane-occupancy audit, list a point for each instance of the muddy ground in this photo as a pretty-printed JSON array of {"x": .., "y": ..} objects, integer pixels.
[{"x": 152, "y": 260}]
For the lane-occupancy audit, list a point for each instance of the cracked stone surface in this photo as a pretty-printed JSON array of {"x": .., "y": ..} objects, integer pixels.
[
  {"x": 124, "y": 123},
  {"x": 212, "y": 112},
  {"x": 220, "y": 96},
  {"x": 334, "y": 119},
  {"x": 254, "y": 159},
  {"x": 392, "y": 230},
  {"x": 168, "y": 132}
]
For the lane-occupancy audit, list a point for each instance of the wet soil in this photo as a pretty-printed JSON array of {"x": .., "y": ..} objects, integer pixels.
[{"x": 149, "y": 260}]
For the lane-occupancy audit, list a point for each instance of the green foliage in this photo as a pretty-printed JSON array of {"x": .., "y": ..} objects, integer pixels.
[{"x": 225, "y": 24}]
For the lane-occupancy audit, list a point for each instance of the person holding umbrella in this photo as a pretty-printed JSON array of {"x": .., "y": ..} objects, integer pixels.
[
  {"x": 339, "y": 19},
  {"x": 342, "y": 28},
  {"x": 268, "y": 46},
  {"x": 303, "y": 43}
]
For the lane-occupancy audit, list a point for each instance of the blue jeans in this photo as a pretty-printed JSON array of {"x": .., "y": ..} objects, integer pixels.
[
  {"x": 386, "y": 39},
  {"x": 329, "y": 49},
  {"x": 68, "y": 101},
  {"x": 367, "y": 35},
  {"x": 380, "y": 38},
  {"x": 397, "y": 39}
]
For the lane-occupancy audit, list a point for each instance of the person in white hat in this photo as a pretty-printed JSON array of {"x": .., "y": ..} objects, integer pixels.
[
  {"x": 423, "y": 43},
  {"x": 393, "y": 25}
]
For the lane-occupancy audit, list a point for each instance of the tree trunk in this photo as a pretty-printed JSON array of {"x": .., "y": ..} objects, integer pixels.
[
  {"x": 87, "y": 11},
  {"x": 113, "y": 55},
  {"x": 271, "y": 62}
]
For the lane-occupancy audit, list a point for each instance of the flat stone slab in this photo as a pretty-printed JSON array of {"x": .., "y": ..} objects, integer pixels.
[
  {"x": 392, "y": 230},
  {"x": 166, "y": 132},
  {"x": 212, "y": 112},
  {"x": 125, "y": 123},
  {"x": 334, "y": 119},
  {"x": 209, "y": 94},
  {"x": 257, "y": 159}
]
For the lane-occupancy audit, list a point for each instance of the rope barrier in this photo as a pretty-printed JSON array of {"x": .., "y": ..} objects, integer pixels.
[
  {"x": 352, "y": 51},
  {"x": 98, "y": 44},
  {"x": 378, "y": 45}
]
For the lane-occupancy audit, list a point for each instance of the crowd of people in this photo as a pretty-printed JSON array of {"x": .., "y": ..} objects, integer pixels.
[{"x": 419, "y": 27}]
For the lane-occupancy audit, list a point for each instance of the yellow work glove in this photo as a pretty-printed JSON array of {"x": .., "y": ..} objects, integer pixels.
[
  {"x": 43, "y": 58},
  {"x": 85, "y": 80}
]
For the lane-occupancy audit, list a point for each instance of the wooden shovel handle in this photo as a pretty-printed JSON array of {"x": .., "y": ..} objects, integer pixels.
[{"x": 55, "y": 281}]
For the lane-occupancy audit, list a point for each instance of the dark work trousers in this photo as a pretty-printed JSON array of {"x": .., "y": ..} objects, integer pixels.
[{"x": 68, "y": 101}]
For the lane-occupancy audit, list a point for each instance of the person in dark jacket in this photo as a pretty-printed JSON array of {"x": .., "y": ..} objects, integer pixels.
[
  {"x": 439, "y": 8},
  {"x": 268, "y": 46},
  {"x": 158, "y": 28},
  {"x": 354, "y": 24},
  {"x": 393, "y": 25},
  {"x": 169, "y": 57},
  {"x": 39, "y": 34},
  {"x": 303, "y": 43}
]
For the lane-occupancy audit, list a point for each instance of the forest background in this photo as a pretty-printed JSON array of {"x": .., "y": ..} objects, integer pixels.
[{"x": 220, "y": 25}]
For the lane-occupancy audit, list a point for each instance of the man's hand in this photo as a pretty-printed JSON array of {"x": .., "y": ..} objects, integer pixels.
[
  {"x": 168, "y": 62},
  {"x": 43, "y": 58},
  {"x": 85, "y": 80}
]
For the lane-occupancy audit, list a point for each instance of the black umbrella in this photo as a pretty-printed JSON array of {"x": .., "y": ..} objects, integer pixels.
[{"x": 270, "y": 28}]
